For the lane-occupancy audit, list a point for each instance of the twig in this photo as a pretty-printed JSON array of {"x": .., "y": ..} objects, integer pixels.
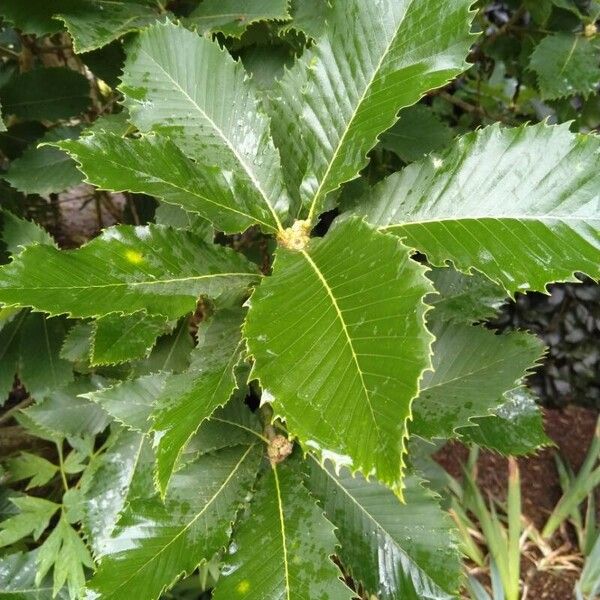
[{"x": 7, "y": 416}]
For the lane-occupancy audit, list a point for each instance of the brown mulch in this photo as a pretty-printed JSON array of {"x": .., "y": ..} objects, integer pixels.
[{"x": 571, "y": 429}]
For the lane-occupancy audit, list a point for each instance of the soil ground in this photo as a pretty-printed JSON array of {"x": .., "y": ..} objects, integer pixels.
[{"x": 571, "y": 429}]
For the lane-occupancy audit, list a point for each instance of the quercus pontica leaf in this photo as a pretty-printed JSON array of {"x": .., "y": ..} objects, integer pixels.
[
  {"x": 472, "y": 369},
  {"x": 274, "y": 551},
  {"x": 349, "y": 87},
  {"x": 397, "y": 550},
  {"x": 344, "y": 318},
  {"x": 154, "y": 543},
  {"x": 125, "y": 270},
  {"x": 519, "y": 205},
  {"x": 170, "y": 88}
]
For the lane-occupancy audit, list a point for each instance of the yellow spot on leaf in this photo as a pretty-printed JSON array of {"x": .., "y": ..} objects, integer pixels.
[
  {"x": 243, "y": 587},
  {"x": 134, "y": 257}
]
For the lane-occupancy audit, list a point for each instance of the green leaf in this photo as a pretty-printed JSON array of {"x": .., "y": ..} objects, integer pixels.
[
  {"x": 154, "y": 544},
  {"x": 520, "y": 205},
  {"x": 418, "y": 132},
  {"x": 50, "y": 93},
  {"x": 154, "y": 165},
  {"x": 350, "y": 86},
  {"x": 126, "y": 269},
  {"x": 281, "y": 548},
  {"x": 29, "y": 347},
  {"x": 398, "y": 551},
  {"x": 17, "y": 579},
  {"x": 229, "y": 426},
  {"x": 45, "y": 170},
  {"x": 232, "y": 18},
  {"x": 565, "y": 64},
  {"x": 516, "y": 428},
  {"x": 66, "y": 413},
  {"x": 65, "y": 551},
  {"x": 130, "y": 402},
  {"x": 344, "y": 320},
  {"x": 33, "y": 16},
  {"x": 33, "y": 519},
  {"x": 464, "y": 298},
  {"x": 30, "y": 466},
  {"x": 119, "y": 339},
  {"x": 77, "y": 345},
  {"x": 175, "y": 216},
  {"x": 472, "y": 369},
  {"x": 190, "y": 398},
  {"x": 171, "y": 353},
  {"x": 309, "y": 16},
  {"x": 170, "y": 87},
  {"x": 106, "y": 487},
  {"x": 95, "y": 23},
  {"x": 2, "y": 125},
  {"x": 19, "y": 233}
]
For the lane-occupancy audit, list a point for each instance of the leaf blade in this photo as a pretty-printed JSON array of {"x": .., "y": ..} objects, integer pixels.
[
  {"x": 517, "y": 204},
  {"x": 190, "y": 398},
  {"x": 339, "y": 295},
  {"x": 154, "y": 544},
  {"x": 151, "y": 261},
  {"x": 397, "y": 550},
  {"x": 290, "y": 530},
  {"x": 340, "y": 105},
  {"x": 216, "y": 121}
]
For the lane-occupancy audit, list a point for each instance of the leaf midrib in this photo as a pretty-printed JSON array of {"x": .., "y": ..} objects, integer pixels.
[
  {"x": 222, "y": 135},
  {"x": 283, "y": 532},
  {"x": 340, "y": 316},
  {"x": 129, "y": 284},
  {"x": 527, "y": 218},
  {"x": 188, "y": 191}
]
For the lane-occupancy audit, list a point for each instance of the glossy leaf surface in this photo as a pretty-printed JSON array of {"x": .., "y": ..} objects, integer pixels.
[
  {"x": 516, "y": 428},
  {"x": 520, "y": 205},
  {"x": 373, "y": 59},
  {"x": 397, "y": 550},
  {"x": 464, "y": 298},
  {"x": 17, "y": 579},
  {"x": 277, "y": 542},
  {"x": 154, "y": 544},
  {"x": 190, "y": 398},
  {"x": 170, "y": 87},
  {"x": 155, "y": 165},
  {"x": 106, "y": 487},
  {"x": 472, "y": 369},
  {"x": 126, "y": 269},
  {"x": 344, "y": 319}
]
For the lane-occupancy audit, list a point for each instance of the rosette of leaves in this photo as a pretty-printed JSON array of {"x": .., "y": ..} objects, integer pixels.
[{"x": 351, "y": 339}]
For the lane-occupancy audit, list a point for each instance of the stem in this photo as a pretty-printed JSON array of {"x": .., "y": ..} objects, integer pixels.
[
  {"x": 7, "y": 416},
  {"x": 61, "y": 465}
]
